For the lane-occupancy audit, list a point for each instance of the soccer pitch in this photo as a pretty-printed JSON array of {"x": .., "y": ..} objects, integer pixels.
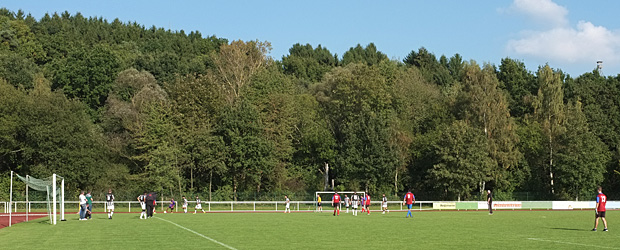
[{"x": 426, "y": 230}]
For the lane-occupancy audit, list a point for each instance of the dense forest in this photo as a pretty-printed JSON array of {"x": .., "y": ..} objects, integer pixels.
[{"x": 122, "y": 106}]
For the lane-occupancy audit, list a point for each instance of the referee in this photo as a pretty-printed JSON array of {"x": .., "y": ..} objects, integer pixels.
[
  {"x": 150, "y": 204},
  {"x": 490, "y": 201}
]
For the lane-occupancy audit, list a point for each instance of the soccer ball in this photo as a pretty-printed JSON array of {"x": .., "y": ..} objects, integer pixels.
[{"x": 165, "y": 212}]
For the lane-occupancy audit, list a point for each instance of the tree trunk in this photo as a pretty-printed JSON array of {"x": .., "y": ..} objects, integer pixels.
[
  {"x": 551, "y": 163},
  {"x": 396, "y": 183},
  {"x": 326, "y": 177},
  {"x": 210, "y": 182},
  {"x": 235, "y": 188}
]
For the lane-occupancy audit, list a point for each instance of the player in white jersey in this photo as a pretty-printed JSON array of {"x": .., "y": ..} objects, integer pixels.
[
  {"x": 355, "y": 202},
  {"x": 346, "y": 202},
  {"x": 142, "y": 200},
  {"x": 384, "y": 204},
  {"x": 184, "y": 205},
  {"x": 110, "y": 200},
  {"x": 198, "y": 205},
  {"x": 288, "y": 203}
]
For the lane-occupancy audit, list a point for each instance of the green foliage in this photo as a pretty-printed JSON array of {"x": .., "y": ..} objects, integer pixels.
[
  {"x": 249, "y": 155},
  {"x": 443, "y": 74},
  {"x": 113, "y": 104},
  {"x": 17, "y": 70},
  {"x": 369, "y": 55},
  {"x": 520, "y": 85},
  {"x": 306, "y": 63},
  {"x": 462, "y": 161},
  {"x": 87, "y": 75},
  {"x": 582, "y": 159}
]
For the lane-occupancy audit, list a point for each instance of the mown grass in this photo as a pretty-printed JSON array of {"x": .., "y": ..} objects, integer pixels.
[{"x": 426, "y": 230}]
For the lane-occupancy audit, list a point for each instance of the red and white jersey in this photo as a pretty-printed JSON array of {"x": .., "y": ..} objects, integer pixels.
[
  {"x": 601, "y": 199},
  {"x": 367, "y": 199},
  {"x": 336, "y": 198}
]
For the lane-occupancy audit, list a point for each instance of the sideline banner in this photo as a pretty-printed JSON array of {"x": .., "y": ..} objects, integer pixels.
[
  {"x": 501, "y": 205},
  {"x": 444, "y": 205},
  {"x": 467, "y": 205},
  {"x": 562, "y": 204}
]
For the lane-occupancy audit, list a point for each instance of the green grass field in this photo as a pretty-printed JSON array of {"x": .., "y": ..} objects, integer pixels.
[{"x": 427, "y": 230}]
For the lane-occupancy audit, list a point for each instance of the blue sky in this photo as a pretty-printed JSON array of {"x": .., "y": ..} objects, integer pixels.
[{"x": 568, "y": 34}]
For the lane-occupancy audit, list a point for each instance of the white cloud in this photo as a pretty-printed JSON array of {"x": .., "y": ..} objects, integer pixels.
[
  {"x": 585, "y": 43},
  {"x": 546, "y": 12},
  {"x": 564, "y": 44}
]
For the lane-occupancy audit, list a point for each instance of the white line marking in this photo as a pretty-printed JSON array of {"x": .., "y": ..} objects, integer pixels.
[
  {"x": 199, "y": 234},
  {"x": 571, "y": 243}
]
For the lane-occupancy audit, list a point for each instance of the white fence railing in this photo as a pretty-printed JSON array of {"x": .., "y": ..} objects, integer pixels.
[{"x": 264, "y": 206}]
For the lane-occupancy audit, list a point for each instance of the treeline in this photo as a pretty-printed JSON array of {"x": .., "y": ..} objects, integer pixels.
[{"x": 117, "y": 105}]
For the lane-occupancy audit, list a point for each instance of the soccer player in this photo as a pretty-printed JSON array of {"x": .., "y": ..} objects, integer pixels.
[
  {"x": 184, "y": 205},
  {"x": 490, "y": 201},
  {"x": 319, "y": 208},
  {"x": 142, "y": 200},
  {"x": 198, "y": 205},
  {"x": 82, "y": 206},
  {"x": 336, "y": 203},
  {"x": 288, "y": 203},
  {"x": 89, "y": 201},
  {"x": 346, "y": 202},
  {"x": 367, "y": 199},
  {"x": 384, "y": 204},
  {"x": 171, "y": 206},
  {"x": 409, "y": 200},
  {"x": 356, "y": 199},
  {"x": 110, "y": 200},
  {"x": 601, "y": 200}
]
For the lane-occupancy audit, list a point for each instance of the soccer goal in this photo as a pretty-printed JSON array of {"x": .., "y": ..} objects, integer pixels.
[
  {"x": 326, "y": 197},
  {"x": 46, "y": 191}
]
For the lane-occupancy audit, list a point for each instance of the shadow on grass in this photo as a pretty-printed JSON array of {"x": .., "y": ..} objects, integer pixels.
[{"x": 570, "y": 229}]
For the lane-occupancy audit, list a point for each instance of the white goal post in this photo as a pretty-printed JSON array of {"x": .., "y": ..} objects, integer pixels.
[
  {"x": 329, "y": 194},
  {"x": 55, "y": 195}
]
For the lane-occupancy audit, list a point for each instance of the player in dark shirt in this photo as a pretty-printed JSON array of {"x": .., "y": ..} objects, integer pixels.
[{"x": 490, "y": 201}]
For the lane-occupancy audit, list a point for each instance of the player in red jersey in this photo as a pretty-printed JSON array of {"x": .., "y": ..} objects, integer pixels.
[
  {"x": 409, "y": 200},
  {"x": 367, "y": 204},
  {"x": 601, "y": 200},
  {"x": 336, "y": 203}
]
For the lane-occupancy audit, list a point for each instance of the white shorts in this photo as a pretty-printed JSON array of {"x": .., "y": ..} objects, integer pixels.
[
  {"x": 184, "y": 206},
  {"x": 287, "y": 205},
  {"x": 110, "y": 206},
  {"x": 354, "y": 205},
  {"x": 198, "y": 206},
  {"x": 385, "y": 205},
  {"x": 143, "y": 205}
]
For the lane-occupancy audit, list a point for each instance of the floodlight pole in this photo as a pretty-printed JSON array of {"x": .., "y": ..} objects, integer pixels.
[
  {"x": 54, "y": 197},
  {"x": 11, "y": 200}
]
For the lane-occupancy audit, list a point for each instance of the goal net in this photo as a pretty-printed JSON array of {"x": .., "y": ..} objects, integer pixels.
[
  {"x": 326, "y": 197},
  {"x": 47, "y": 191}
]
